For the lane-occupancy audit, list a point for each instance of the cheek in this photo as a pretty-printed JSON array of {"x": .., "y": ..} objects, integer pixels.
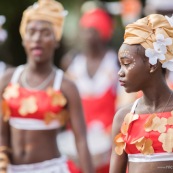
[
  {"x": 132, "y": 65},
  {"x": 25, "y": 44}
]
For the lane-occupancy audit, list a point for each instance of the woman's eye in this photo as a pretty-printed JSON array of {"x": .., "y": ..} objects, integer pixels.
[
  {"x": 30, "y": 32},
  {"x": 127, "y": 64},
  {"x": 46, "y": 33}
]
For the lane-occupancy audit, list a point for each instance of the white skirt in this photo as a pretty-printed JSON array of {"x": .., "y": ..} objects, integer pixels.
[{"x": 57, "y": 165}]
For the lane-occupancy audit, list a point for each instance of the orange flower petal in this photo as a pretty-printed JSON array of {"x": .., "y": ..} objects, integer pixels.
[
  {"x": 167, "y": 140},
  {"x": 5, "y": 110},
  {"x": 144, "y": 145},
  {"x": 148, "y": 124},
  {"x": 119, "y": 143},
  {"x": 11, "y": 91},
  {"x": 170, "y": 120},
  {"x": 148, "y": 149},
  {"x": 156, "y": 124},
  {"x": 119, "y": 148},
  {"x": 118, "y": 138},
  {"x": 124, "y": 128},
  {"x": 130, "y": 117},
  {"x": 58, "y": 99},
  {"x": 28, "y": 106},
  {"x": 172, "y": 113},
  {"x": 62, "y": 117}
]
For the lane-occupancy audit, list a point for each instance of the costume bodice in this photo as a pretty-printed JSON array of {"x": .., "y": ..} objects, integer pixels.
[
  {"x": 145, "y": 133},
  {"x": 98, "y": 93},
  {"x": 104, "y": 78},
  {"x": 34, "y": 109}
]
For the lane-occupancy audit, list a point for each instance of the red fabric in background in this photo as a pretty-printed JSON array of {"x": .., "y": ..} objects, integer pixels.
[
  {"x": 100, "y": 20},
  {"x": 101, "y": 108},
  {"x": 72, "y": 167}
]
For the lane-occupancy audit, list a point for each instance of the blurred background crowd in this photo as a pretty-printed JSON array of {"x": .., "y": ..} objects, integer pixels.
[
  {"x": 11, "y": 50},
  {"x": 90, "y": 60}
]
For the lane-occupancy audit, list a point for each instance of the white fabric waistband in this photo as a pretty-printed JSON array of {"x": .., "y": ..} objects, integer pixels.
[
  {"x": 150, "y": 158},
  {"x": 57, "y": 165},
  {"x": 32, "y": 124}
]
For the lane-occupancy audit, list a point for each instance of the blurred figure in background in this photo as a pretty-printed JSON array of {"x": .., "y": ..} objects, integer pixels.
[
  {"x": 38, "y": 100},
  {"x": 3, "y": 37},
  {"x": 94, "y": 70},
  {"x": 160, "y": 7},
  {"x": 131, "y": 10}
]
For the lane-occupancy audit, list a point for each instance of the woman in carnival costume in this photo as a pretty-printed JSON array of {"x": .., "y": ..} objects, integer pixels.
[
  {"x": 143, "y": 132},
  {"x": 93, "y": 70},
  {"x": 38, "y": 100}
]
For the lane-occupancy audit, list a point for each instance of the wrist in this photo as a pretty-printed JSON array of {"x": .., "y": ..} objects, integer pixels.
[{"x": 4, "y": 161}]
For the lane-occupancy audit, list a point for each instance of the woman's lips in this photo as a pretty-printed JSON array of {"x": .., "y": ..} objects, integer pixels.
[
  {"x": 122, "y": 83},
  {"x": 37, "y": 51}
]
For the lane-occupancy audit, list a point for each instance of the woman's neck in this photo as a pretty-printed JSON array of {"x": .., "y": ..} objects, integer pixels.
[
  {"x": 156, "y": 99},
  {"x": 95, "y": 49},
  {"x": 95, "y": 53},
  {"x": 42, "y": 68}
]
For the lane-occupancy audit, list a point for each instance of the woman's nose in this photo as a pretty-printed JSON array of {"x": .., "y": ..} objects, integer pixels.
[
  {"x": 120, "y": 73},
  {"x": 36, "y": 36}
]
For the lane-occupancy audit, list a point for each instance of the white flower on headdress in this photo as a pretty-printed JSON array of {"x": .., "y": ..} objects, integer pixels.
[
  {"x": 161, "y": 43},
  {"x": 64, "y": 13},
  {"x": 168, "y": 65},
  {"x": 35, "y": 5},
  {"x": 153, "y": 56},
  {"x": 170, "y": 20}
]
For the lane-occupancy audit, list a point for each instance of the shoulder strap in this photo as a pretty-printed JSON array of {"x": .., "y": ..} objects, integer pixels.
[
  {"x": 17, "y": 73},
  {"x": 134, "y": 106},
  {"x": 58, "y": 79}
]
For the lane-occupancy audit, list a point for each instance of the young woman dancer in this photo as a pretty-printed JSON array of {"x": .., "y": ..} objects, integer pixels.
[
  {"x": 143, "y": 131},
  {"x": 37, "y": 100}
]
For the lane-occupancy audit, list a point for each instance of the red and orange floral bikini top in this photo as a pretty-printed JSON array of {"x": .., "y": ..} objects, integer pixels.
[
  {"x": 34, "y": 109},
  {"x": 146, "y": 133}
]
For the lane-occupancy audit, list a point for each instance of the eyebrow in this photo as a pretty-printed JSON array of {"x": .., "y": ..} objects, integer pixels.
[
  {"x": 36, "y": 29},
  {"x": 124, "y": 55}
]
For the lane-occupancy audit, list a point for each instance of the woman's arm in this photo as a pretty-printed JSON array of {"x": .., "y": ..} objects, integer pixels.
[
  {"x": 4, "y": 126},
  {"x": 118, "y": 163},
  {"x": 78, "y": 125}
]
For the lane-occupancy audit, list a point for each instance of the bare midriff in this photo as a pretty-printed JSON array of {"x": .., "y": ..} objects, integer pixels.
[
  {"x": 151, "y": 167},
  {"x": 33, "y": 146}
]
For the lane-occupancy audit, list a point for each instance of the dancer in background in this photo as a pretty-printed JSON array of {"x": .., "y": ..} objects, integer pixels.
[
  {"x": 142, "y": 131},
  {"x": 94, "y": 69},
  {"x": 38, "y": 100}
]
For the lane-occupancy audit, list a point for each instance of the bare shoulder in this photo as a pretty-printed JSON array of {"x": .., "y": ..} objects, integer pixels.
[
  {"x": 120, "y": 114},
  {"x": 119, "y": 117},
  {"x": 67, "y": 59},
  {"x": 68, "y": 87},
  {"x": 6, "y": 77}
]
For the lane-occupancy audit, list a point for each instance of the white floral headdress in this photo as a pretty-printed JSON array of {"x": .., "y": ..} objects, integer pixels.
[
  {"x": 160, "y": 49},
  {"x": 3, "y": 33}
]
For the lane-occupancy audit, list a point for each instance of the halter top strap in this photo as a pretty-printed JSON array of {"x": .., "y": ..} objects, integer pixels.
[
  {"x": 134, "y": 106},
  {"x": 17, "y": 73},
  {"x": 57, "y": 80}
]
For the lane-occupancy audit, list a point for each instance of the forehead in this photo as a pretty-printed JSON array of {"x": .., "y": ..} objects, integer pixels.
[
  {"x": 39, "y": 25},
  {"x": 128, "y": 51}
]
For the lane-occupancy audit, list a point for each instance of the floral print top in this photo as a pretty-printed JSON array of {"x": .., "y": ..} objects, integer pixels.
[
  {"x": 46, "y": 105},
  {"x": 146, "y": 134}
]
